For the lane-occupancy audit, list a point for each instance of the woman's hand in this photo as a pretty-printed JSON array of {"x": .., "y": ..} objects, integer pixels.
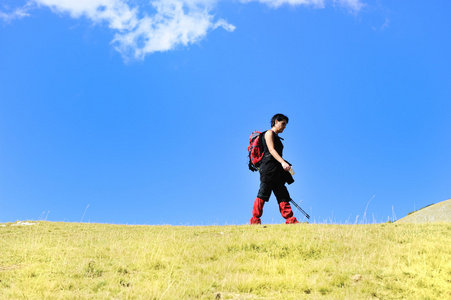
[{"x": 286, "y": 166}]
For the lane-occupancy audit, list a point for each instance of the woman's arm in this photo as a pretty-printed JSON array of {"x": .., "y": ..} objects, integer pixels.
[{"x": 272, "y": 150}]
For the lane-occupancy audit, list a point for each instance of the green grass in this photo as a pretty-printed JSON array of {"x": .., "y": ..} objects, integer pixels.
[
  {"x": 100, "y": 261},
  {"x": 420, "y": 209}
]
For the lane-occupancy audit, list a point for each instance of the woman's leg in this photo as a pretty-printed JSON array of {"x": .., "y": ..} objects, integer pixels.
[
  {"x": 287, "y": 213},
  {"x": 257, "y": 211},
  {"x": 263, "y": 196},
  {"x": 283, "y": 198}
]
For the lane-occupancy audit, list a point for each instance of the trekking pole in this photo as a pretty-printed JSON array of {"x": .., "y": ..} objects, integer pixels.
[{"x": 298, "y": 207}]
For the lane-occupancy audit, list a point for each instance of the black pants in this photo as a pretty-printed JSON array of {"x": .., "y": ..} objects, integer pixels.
[{"x": 279, "y": 189}]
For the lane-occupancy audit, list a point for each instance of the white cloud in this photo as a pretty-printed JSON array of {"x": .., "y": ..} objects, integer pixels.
[
  {"x": 353, "y": 5},
  {"x": 140, "y": 31},
  {"x": 277, "y": 3},
  {"x": 116, "y": 13},
  {"x": 16, "y": 14},
  {"x": 174, "y": 23}
]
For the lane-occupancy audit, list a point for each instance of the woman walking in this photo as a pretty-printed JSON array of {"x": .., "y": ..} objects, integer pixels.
[{"x": 274, "y": 173}]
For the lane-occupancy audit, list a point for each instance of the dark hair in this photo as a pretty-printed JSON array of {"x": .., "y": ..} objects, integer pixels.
[{"x": 278, "y": 117}]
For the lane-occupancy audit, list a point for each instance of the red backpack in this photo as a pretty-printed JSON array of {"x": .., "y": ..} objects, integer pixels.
[{"x": 255, "y": 150}]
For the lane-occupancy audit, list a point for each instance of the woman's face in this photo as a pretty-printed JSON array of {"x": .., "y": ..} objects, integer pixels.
[{"x": 279, "y": 126}]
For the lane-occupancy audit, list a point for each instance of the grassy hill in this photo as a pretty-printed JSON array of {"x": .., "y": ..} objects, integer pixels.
[
  {"x": 305, "y": 261},
  {"x": 440, "y": 212}
]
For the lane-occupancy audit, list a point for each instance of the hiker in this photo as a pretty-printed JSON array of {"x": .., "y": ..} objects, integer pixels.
[{"x": 274, "y": 173}]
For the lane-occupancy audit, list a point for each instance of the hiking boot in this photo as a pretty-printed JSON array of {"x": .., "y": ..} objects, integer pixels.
[
  {"x": 255, "y": 221},
  {"x": 292, "y": 220}
]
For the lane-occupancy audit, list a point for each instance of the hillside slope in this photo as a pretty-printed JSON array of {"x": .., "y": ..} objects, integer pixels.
[
  {"x": 440, "y": 212},
  {"x": 46, "y": 260}
]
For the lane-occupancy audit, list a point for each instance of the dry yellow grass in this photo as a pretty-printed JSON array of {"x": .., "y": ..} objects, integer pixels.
[
  {"x": 100, "y": 261},
  {"x": 439, "y": 212}
]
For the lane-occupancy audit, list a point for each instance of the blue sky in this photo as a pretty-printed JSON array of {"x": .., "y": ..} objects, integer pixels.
[{"x": 139, "y": 112}]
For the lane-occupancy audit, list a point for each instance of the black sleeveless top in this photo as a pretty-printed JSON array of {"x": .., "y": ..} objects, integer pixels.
[{"x": 270, "y": 169}]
